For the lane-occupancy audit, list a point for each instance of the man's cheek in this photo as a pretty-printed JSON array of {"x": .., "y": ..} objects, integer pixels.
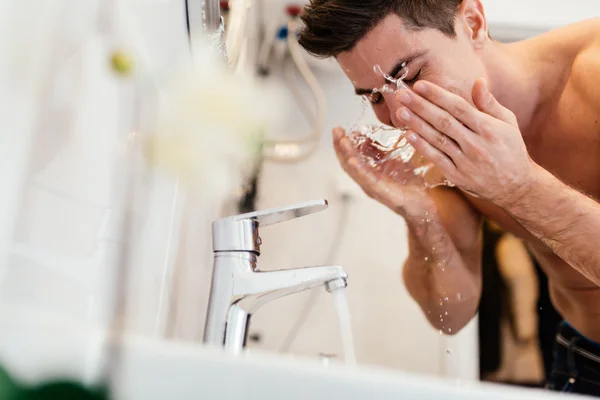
[{"x": 382, "y": 114}]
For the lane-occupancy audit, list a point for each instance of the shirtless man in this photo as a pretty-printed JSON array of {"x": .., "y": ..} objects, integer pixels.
[{"x": 514, "y": 126}]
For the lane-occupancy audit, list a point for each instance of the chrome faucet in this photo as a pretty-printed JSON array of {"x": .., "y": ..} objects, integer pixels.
[{"x": 239, "y": 288}]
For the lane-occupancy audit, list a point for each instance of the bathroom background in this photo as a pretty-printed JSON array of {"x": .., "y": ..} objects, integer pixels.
[
  {"x": 369, "y": 240},
  {"x": 65, "y": 204}
]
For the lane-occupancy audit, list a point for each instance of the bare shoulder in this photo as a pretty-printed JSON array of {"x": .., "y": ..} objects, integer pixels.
[{"x": 585, "y": 69}]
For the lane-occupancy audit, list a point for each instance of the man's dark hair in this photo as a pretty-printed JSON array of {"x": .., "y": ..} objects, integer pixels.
[{"x": 335, "y": 26}]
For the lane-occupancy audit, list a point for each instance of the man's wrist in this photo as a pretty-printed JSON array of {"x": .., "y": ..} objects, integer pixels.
[{"x": 537, "y": 184}]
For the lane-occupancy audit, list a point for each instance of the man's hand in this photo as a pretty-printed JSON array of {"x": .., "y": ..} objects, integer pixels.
[
  {"x": 393, "y": 184},
  {"x": 442, "y": 271},
  {"x": 479, "y": 149}
]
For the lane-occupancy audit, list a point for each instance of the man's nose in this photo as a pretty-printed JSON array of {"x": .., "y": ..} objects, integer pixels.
[{"x": 393, "y": 105}]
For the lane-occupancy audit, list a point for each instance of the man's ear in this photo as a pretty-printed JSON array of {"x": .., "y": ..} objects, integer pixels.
[{"x": 472, "y": 16}]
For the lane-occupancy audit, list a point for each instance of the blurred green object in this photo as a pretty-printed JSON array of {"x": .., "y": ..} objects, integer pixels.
[
  {"x": 121, "y": 62},
  {"x": 62, "y": 390},
  {"x": 9, "y": 390},
  {"x": 51, "y": 390}
]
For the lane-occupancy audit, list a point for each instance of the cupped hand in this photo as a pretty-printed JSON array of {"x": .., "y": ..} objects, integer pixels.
[{"x": 392, "y": 183}]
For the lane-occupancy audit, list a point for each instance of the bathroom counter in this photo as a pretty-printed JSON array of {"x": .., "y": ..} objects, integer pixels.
[{"x": 35, "y": 349}]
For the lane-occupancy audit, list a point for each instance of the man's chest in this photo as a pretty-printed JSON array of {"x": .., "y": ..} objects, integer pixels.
[{"x": 566, "y": 142}]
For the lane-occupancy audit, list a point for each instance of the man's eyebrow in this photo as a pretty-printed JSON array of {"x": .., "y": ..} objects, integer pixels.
[{"x": 394, "y": 71}]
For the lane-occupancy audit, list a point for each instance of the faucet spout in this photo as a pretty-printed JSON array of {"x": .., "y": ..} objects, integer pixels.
[
  {"x": 259, "y": 288},
  {"x": 268, "y": 286}
]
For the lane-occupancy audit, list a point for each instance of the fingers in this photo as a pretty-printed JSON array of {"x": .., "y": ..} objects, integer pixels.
[
  {"x": 441, "y": 160},
  {"x": 487, "y": 103},
  {"x": 342, "y": 146},
  {"x": 436, "y": 117},
  {"x": 378, "y": 186},
  {"x": 338, "y": 133},
  {"x": 435, "y": 137},
  {"x": 453, "y": 105},
  {"x": 348, "y": 157},
  {"x": 373, "y": 181}
]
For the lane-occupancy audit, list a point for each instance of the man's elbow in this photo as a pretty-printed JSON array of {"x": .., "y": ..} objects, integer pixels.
[
  {"x": 449, "y": 326},
  {"x": 448, "y": 317}
]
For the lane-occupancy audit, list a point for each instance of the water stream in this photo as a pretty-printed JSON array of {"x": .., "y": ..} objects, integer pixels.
[{"x": 340, "y": 302}]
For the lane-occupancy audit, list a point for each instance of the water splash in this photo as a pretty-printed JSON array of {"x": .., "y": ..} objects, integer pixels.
[
  {"x": 399, "y": 82},
  {"x": 386, "y": 148}
]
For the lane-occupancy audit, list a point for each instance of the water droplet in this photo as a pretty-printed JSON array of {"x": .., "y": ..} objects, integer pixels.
[
  {"x": 447, "y": 299},
  {"x": 428, "y": 220},
  {"x": 449, "y": 330},
  {"x": 441, "y": 333},
  {"x": 398, "y": 82},
  {"x": 458, "y": 296},
  {"x": 429, "y": 312},
  {"x": 540, "y": 308},
  {"x": 426, "y": 258},
  {"x": 433, "y": 249},
  {"x": 446, "y": 313}
]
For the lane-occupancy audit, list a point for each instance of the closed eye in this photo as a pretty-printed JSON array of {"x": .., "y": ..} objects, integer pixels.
[
  {"x": 377, "y": 98},
  {"x": 414, "y": 79}
]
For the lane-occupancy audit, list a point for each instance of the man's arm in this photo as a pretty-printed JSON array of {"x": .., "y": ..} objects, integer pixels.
[
  {"x": 565, "y": 220},
  {"x": 442, "y": 272},
  {"x": 443, "y": 269},
  {"x": 487, "y": 157}
]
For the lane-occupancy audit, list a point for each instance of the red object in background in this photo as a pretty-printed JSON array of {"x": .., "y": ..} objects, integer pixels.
[
  {"x": 224, "y": 4},
  {"x": 293, "y": 10}
]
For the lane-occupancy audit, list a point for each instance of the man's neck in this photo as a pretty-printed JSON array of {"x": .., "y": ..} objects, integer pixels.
[{"x": 516, "y": 81}]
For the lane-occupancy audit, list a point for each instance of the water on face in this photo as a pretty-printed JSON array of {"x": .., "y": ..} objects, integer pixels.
[
  {"x": 341, "y": 305},
  {"x": 380, "y": 146}
]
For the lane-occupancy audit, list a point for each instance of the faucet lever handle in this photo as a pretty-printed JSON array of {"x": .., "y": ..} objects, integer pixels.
[
  {"x": 240, "y": 232},
  {"x": 282, "y": 214}
]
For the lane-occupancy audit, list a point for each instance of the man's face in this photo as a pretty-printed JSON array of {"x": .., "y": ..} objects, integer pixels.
[{"x": 452, "y": 63}]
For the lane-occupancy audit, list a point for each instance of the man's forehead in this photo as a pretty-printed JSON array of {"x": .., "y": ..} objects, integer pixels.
[{"x": 384, "y": 45}]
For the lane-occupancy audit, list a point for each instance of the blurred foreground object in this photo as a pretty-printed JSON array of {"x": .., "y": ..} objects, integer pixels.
[{"x": 213, "y": 131}]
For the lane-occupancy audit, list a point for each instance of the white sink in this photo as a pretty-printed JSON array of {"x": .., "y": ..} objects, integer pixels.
[{"x": 148, "y": 369}]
